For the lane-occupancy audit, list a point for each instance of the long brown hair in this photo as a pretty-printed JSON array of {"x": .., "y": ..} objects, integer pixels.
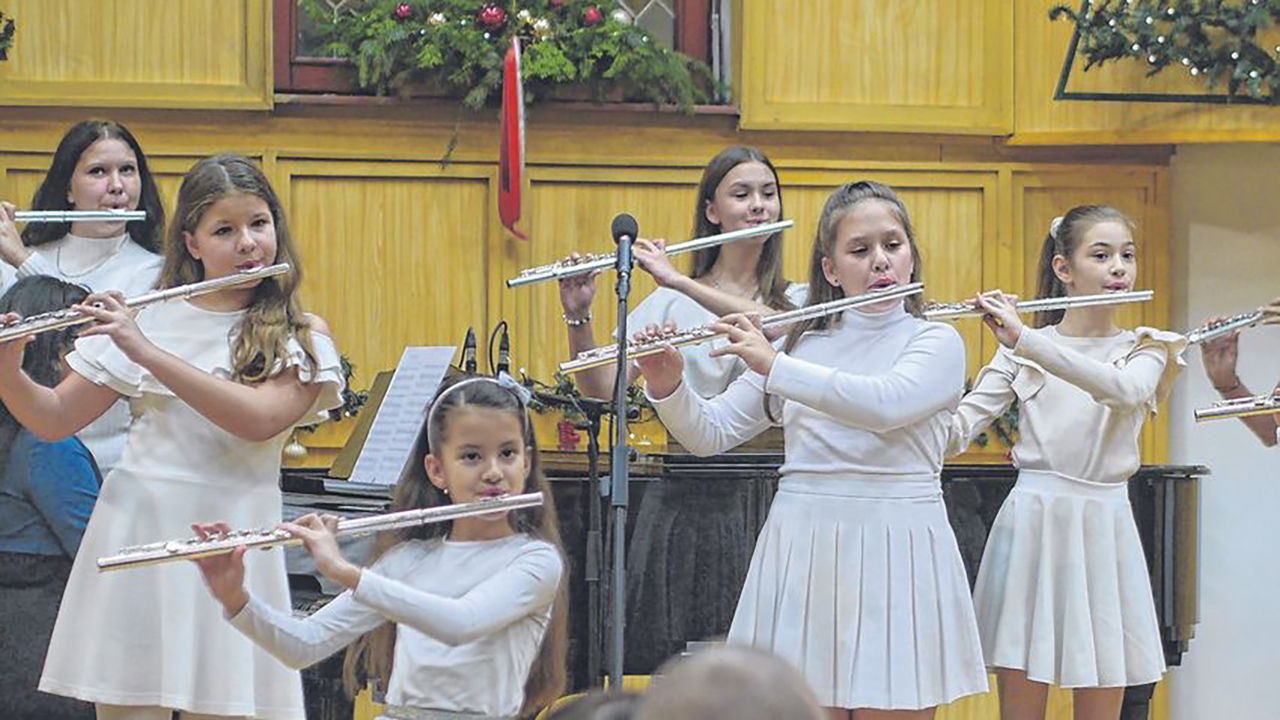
[
  {"x": 1063, "y": 239},
  {"x": 773, "y": 287},
  {"x": 42, "y": 357},
  {"x": 370, "y": 657},
  {"x": 274, "y": 313},
  {"x": 52, "y": 193}
]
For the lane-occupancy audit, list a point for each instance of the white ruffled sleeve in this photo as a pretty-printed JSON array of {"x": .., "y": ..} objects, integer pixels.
[
  {"x": 98, "y": 360},
  {"x": 327, "y": 371},
  {"x": 1173, "y": 345}
]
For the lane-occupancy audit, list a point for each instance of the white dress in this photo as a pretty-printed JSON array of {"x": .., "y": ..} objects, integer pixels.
[
  {"x": 154, "y": 635},
  {"x": 470, "y": 618},
  {"x": 856, "y": 578},
  {"x": 99, "y": 264},
  {"x": 1063, "y": 590}
]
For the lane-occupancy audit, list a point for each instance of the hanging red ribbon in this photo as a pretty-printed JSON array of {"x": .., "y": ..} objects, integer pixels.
[{"x": 511, "y": 146}]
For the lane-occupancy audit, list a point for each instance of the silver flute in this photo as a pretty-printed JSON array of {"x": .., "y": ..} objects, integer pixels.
[
  {"x": 221, "y": 544},
  {"x": 952, "y": 311},
  {"x": 69, "y": 216},
  {"x": 591, "y": 263},
  {"x": 58, "y": 319},
  {"x": 608, "y": 354},
  {"x": 1209, "y": 331},
  {"x": 1240, "y": 407}
]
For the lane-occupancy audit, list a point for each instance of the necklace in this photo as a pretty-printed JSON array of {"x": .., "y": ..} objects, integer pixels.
[
  {"x": 57, "y": 256},
  {"x": 715, "y": 283}
]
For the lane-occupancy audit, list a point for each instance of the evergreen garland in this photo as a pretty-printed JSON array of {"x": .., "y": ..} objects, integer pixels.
[
  {"x": 7, "y": 28},
  {"x": 1214, "y": 39},
  {"x": 456, "y": 47}
]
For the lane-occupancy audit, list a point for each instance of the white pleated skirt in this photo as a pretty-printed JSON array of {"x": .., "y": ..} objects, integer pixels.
[
  {"x": 858, "y": 582},
  {"x": 1063, "y": 590}
]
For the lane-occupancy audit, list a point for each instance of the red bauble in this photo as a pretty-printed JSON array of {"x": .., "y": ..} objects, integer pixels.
[
  {"x": 403, "y": 11},
  {"x": 492, "y": 17},
  {"x": 592, "y": 16},
  {"x": 557, "y": 3}
]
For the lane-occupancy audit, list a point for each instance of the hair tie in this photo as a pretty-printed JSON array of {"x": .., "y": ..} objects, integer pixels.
[
  {"x": 1054, "y": 227},
  {"x": 503, "y": 380}
]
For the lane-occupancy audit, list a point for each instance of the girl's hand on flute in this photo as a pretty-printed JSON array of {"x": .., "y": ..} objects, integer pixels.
[
  {"x": 12, "y": 250},
  {"x": 11, "y": 351},
  {"x": 662, "y": 372},
  {"x": 115, "y": 319},
  {"x": 577, "y": 292},
  {"x": 652, "y": 257},
  {"x": 747, "y": 341},
  {"x": 1271, "y": 312},
  {"x": 1001, "y": 316},
  {"x": 319, "y": 534},
  {"x": 1219, "y": 356},
  {"x": 223, "y": 573}
]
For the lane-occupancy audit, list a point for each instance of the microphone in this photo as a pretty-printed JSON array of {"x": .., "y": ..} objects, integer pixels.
[
  {"x": 625, "y": 226},
  {"x": 504, "y": 353},
  {"x": 469, "y": 352}
]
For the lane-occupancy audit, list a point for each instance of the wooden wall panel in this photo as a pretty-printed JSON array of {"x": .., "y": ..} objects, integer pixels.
[
  {"x": 898, "y": 65},
  {"x": 393, "y": 253},
  {"x": 139, "y": 53},
  {"x": 1040, "y": 49}
]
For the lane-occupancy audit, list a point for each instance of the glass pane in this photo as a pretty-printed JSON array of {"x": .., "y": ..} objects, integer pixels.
[
  {"x": 308, "y": 44},
  {"x": 656, "y": 16}
]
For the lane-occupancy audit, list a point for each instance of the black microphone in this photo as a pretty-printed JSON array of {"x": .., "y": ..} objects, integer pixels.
[
  {"x": 625, "y": 225},
  {"x": 504, "y": 353},
  {"x": 469, "y": 352}
]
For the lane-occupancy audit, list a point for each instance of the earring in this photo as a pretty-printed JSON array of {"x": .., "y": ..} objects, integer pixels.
[{"x": 444, "y": 490}]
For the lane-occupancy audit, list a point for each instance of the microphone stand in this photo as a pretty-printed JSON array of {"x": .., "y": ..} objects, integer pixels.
[{"x": 618, "y": 475}]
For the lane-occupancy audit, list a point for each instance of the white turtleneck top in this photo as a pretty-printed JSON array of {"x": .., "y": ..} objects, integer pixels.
[
  {"x": 99, "y": 264},
  {"x": 871, "y": 396}
]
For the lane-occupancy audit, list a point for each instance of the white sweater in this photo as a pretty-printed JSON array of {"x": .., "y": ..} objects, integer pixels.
[
  {"x": 1081, "y": 400},
  {"x": 873, "y": 396},
  {"x": 469, "y": 618}
]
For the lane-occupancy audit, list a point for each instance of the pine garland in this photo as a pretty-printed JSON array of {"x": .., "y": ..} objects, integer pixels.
[
  {"x": 7, "y": 28},
  {"x": 1214, "y": 39},
  {"x": 456, "y": 47}
]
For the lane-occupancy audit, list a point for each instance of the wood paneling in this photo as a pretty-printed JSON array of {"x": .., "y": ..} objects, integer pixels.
[
  {"x": 139, "y": 53},
  {"x": 901, "y": 65}
]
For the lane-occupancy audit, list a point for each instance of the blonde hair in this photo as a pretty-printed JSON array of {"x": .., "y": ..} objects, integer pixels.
[{"x": 260, "y": 348}]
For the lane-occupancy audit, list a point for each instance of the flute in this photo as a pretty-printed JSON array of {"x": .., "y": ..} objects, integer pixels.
[
  {"x": 68, "y": 216},
  {"x": 1240, "y": 407},
  {"x": 58, "y": 319},
  {"x": 195, "y": 548},
  {"x": 952, "y": 311},
  {"x": 568, "y": 268},
  {"x": 608, "y": 354},
  {"x": 1209, "y": 331}
]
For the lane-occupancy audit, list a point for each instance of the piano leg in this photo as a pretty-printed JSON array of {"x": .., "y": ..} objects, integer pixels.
[{"x": 1137, "y": 702}]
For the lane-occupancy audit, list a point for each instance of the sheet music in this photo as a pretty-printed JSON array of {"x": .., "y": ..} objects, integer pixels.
[{"x": 395, "y": 428}]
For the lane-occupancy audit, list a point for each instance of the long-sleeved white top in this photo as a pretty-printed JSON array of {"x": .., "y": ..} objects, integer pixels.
[
  {"x": 706, "y": 375},
  {"x": 872, "y": 396},
  {"x": 1081, "y": 400},
  {"x": 470, "y": 617},
  {"x": 99, "y": 264}
]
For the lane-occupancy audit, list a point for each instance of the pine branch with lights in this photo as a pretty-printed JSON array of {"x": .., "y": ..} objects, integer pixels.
[
  {"x": 1216, "y": 40},
  {"x": 455, "y": 47}
]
